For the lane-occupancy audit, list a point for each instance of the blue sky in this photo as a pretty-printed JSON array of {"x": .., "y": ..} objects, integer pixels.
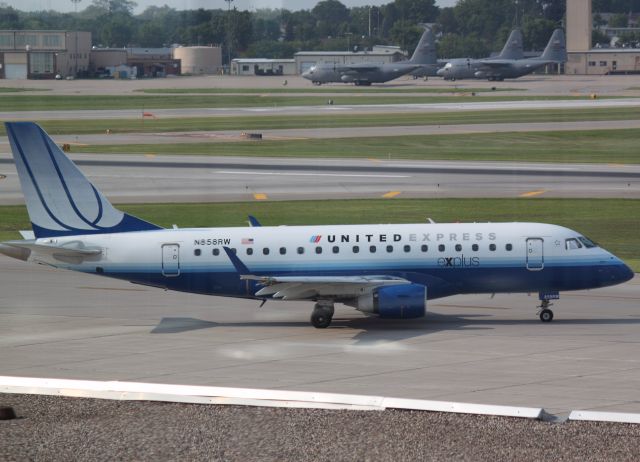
[{"x": 67, "y": 5}]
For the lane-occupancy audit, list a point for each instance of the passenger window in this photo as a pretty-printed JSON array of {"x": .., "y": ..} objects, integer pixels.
[
  {"x": 441, "y": 247},
  {"x": 197, "y": 252},
  {"x": 265, "y": 251},
  {"x": 356, "y": 249},
  {"x": 509, "y": 247},
  {"x": 492, "y": 247},
  {"x": 318, "y": 250},
  {"x": 407, "y": 248},
  {"x": 336, "y": 249},
  {"x": 572, "y": 244},
  {"x": 249, "y": 251},
  {"x": 424, "y": 248},
  {"x": 372, "y": 249},
  {"x": 458, "y": 247},
  {"x": 283, "y": 250},
  {"x": 234, "y": 250},
  {"x": 216, "y": 252},
  {"x": 300, "y": 250},
  {"x": 389, "y": 248},
  {"x": 475, "y": 247}
]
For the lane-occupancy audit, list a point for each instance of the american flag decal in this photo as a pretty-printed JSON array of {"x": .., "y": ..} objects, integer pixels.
[
  {"x": 247, "y": 240},
  {"x": 315, "y": 239}
]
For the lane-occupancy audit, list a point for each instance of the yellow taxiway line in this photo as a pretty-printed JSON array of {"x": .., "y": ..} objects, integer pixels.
[
  {"x": 533, "y": 193},
  {"x": 391, "y": 194},
  {"x": 260, "y": 196}
]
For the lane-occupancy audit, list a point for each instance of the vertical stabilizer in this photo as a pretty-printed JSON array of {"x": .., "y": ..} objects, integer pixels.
[
  {"x": 425, "y": 52},
  {"x": 556, "y": 49},
  {"x": 60, "y": 200},
  {"x": 513, "y": 48}
]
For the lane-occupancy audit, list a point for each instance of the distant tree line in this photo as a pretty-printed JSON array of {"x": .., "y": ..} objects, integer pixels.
[{"x": 471, "y": 28}]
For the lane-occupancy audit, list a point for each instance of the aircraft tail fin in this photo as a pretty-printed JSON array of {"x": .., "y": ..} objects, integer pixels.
[
  {"x": 513, "y": 48},
  {"x": 60, "y": 200},
  {"x": 425, "y": 52},
  {"x": 556, "y": 49}
]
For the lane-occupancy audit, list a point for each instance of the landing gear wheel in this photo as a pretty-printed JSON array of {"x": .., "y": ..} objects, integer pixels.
[
  {"x": 546, "y": 315},
  {"x": 321, "y": 316}
]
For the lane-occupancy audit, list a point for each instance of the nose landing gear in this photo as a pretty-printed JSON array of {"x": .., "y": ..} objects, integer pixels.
[{"x": 546, "y": 315}]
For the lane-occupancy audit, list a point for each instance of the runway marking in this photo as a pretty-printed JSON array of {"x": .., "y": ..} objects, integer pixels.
[
  {"x": 260, "y": 196},
  {"x": 533, "y": 193},
  {"x": 374, "y": 160},
  {"x": 343, "y": 175},
  {"x": 111, "y": 288},
  {"x": 150, "y": 155},
  {"x": 391, "y": 194}
]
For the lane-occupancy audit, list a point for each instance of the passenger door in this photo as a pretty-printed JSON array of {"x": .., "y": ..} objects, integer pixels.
[
  {"x": 170, "y": 260},
  {"x": 535, "y": 254}
]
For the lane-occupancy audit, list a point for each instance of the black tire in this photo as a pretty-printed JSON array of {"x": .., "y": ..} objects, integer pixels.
[
  {"x": 546, "y": 315},
  {"x": 321, "y": 318}
]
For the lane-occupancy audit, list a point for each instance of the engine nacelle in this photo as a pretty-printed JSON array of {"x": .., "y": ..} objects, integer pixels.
[{"x": 401, "y": 301}]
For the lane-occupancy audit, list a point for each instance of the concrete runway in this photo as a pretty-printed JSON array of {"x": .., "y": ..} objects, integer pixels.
[
  {"x": 136, "y": 179},
  {"x": 325, "y": 109},
  {"x": 476, "y": 349}
]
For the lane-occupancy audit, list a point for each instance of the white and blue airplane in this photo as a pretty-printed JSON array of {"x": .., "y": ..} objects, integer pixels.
[{"x": 386, "y": 270}]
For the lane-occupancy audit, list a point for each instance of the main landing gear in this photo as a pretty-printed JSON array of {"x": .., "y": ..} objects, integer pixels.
[
  {"x": 546, "y": 315},
  {"x": 322, "y": 315}
]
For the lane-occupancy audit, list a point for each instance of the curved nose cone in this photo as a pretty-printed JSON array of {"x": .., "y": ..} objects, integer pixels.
[{"x": 308, "y": 74}]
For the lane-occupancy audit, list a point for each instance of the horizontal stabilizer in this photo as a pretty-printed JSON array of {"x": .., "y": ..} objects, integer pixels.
[{"x": 71, "y": 252}]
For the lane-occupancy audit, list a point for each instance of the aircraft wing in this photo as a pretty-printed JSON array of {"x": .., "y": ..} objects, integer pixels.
[
  {"x": 497, "y": 63},
  {"x": 312, "y": 287}
]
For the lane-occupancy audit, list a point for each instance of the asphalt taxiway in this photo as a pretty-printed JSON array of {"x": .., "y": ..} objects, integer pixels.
[
  {"x": 138, "y": 179},
  {"x": 476, "y": 349}
]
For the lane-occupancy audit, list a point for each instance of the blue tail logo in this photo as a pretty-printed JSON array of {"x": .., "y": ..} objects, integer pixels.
[{"x": 60, "y": 200}]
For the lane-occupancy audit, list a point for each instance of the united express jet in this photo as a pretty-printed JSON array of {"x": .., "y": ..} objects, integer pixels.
[{"x": 385, "y": 270}]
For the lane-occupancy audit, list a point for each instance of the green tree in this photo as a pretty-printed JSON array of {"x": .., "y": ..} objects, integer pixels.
[{"x": 331, "y": 17}]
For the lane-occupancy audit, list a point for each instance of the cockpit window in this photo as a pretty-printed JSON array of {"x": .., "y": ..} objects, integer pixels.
[
  {"x": 588, "y": 243},
  {"x": 572, "y": 244}
]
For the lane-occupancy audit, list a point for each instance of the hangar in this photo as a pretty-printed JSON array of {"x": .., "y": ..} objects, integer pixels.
[{"x": 41, "y": 54}]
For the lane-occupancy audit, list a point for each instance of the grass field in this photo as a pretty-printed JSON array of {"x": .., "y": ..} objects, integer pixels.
[
  {"x": 613, "y": 223},
  {"x": 29, "y": 102},
  {"x": 595, "y": 146},
  {"x": 243, "y": 123}
]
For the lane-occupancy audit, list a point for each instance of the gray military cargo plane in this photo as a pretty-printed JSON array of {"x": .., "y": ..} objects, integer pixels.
[
  {"x": 423, "y": 61},
  {"x": 504, "y": 67}
]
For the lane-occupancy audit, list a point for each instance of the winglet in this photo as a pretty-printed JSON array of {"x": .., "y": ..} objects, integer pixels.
[
  {"x": 253, "y": 222},
  {"x": 237, "y": 264}
]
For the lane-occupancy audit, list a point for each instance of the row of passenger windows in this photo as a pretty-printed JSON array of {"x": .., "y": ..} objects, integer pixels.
[{"x": 356, "y": 249}]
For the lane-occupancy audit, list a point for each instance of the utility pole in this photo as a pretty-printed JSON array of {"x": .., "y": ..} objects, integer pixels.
[
  {"x": 229, "y": 2},
  {"x": 75, "y": 33}
]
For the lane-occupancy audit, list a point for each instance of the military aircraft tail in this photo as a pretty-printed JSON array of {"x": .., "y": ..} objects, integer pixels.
[
  {"x": 425, "y": 52},
  {"x": 556, "y": 49},
  {"x": 513, "y": 48}
]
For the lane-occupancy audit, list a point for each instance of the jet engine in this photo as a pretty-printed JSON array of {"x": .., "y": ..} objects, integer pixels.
[{"x": 401, "y": 301}]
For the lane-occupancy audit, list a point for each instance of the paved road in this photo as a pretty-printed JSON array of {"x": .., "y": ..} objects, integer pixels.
[
  {"x": 134, "y": 179},
  {"x": 77, "y": 141},
  {"x": 477, "y": 349},
  {"x": 325, "y": 109}
]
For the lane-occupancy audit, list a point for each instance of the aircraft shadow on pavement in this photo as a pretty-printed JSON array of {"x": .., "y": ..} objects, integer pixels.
[{"x": 375, "y": 329}]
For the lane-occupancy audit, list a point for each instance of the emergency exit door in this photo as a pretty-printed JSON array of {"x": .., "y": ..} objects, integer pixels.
[
  {"x": 535, "y": 254},
  {"x": 171, "y": 260}
]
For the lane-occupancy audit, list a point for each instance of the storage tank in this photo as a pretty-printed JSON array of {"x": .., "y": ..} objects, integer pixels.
[{"x": 199, "y": 60}]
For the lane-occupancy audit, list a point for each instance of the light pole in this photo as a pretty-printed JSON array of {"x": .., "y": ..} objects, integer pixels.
[
  {"x": 229, "y": 2},
  {"x": 75, "y": 33}
]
